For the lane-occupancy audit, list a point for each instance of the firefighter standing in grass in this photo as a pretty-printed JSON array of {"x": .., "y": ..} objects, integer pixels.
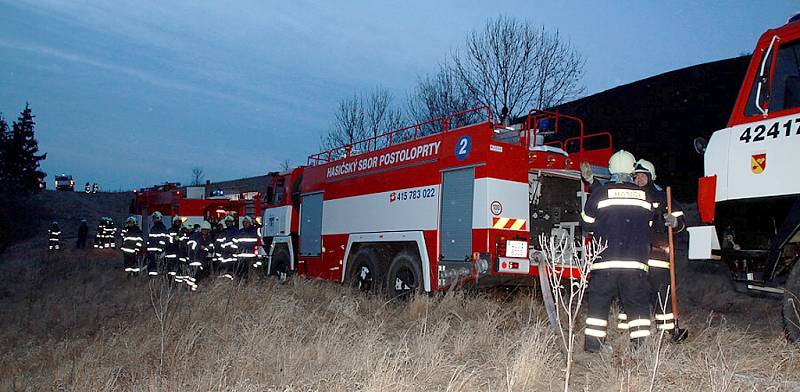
[
  {"x": 171, "y": 249},
  {"x": 216, "y": 232},
  {"x": 619, "y": 213},
  {"x": 227, "y": 248},
  {"x": 83, "y": 232},
  {"x": 98, "y": 234},
  {"x": 109, "y": 234},
  {"x": 156, "y": 242},
  {"x": 53, "y": 233},
  {"x": 201, "y": 251},
  {"x": 183, "y": 252},
  {"x": 132, "y": 246},
  {"x": 658, "y": 261},
  {"x": 245, "y": 243}
]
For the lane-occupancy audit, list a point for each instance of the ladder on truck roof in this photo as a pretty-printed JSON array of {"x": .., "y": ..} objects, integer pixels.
[{"x": 402, "y": 135}]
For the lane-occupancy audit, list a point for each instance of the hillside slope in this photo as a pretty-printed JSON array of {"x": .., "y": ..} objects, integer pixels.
[{"x": 72, "y": 321}]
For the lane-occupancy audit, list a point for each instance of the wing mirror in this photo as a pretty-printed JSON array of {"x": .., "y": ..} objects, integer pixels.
[{"x": 700, "y": 144}]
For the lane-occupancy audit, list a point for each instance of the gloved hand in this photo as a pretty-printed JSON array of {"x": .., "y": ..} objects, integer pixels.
[
  {"x": 586, "y": 172},
  {"x": 670, "y": 220}
]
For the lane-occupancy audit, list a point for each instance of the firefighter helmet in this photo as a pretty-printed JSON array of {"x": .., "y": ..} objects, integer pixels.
[
  {"x": 644, "y": 166},
  {"x": 621, "y": 162},
  {"x": 228, "y": 218},
  {"x": 247, "y": 219},
  {"x": 177, "y": 218},
  {"x": 204, "y": 225},
  {"x": 157, "y": 215},
  {"x": 131, "y": 219}
]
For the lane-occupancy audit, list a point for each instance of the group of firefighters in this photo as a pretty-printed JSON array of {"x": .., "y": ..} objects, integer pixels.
[
  {"x": 188, "y": 253},
  {"x": 629, "y": 214}
]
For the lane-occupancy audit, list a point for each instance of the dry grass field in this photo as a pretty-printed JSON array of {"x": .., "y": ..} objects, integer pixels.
[{"x": 73, "y": 322}]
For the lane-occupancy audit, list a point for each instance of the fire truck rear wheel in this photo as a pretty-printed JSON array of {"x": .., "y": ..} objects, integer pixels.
[
  {"x": 791, "y": 305},
  {"x": 280, "y": 264},
  {"x": 404, "y": 277},
  {"x": 366, "y": 271}
]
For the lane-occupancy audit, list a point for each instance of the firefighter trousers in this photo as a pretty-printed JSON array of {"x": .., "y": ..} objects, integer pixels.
[
  {"x": 633, "y": 290},
  {"x": 153, "y": 260},
  {"x": 660, "y": 299}
]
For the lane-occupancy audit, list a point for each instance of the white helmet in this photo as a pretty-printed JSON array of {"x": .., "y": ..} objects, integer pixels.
[
  {"x": 176, "y": 218},
  {"x": 204, "y": 225},
  {"x": 157, "y": 215},
  {"x": 131, "y": 219},
  {"x": 644, "y": 166},
  {"x": 247, "y": 219},
  {"x": 621, "y": 162}
]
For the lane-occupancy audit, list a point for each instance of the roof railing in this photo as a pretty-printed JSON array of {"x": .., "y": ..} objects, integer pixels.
[{"x": 402, "y": 135}]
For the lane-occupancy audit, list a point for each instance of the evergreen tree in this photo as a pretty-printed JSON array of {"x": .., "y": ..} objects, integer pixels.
[
  {"x": 20, "y": 159},
  {"x": 4, "y": 137}
]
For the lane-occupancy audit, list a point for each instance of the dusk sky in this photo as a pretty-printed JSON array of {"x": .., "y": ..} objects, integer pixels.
[{"x": 135, "y": 93}]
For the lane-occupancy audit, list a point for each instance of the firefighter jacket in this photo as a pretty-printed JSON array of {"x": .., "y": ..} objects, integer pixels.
[
  {"x": 99, "y": 234},
  {"x": 109, "y": 231},
  {"x": 132, "y": 241},
  {"x": 245, "y": 242},
  {"x": 621, "y": 214},
  {"x": 226, "y": 248},
  {"x": 158, "y": 237},
  {"x": 52, "y": 236},
  {"x": 659, "y": 236},
  {"x": 171, "y": 249},
  {"x": 183, "y": 245},
  {"x": 200, "y": 249}
]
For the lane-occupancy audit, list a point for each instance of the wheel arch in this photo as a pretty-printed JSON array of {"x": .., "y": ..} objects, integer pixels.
[{"x": 389, "y": 245}]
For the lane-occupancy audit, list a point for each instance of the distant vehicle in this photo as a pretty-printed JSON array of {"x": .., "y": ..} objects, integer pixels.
[
  {"x": 749, "y": 199},
  {"x": 65, "y": 182},
  {"x": 217, "y": 193}
]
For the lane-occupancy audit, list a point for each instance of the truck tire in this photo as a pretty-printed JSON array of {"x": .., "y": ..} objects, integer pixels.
[
  {"x": 366, "y": 271},
  {"x": 791, "y": 305},
  {"x": 404, "y": 277},
  {"x": 281, "y": 265}
]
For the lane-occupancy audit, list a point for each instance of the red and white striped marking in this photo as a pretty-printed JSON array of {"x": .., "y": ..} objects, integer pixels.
[{"x": 509, "y": 224}]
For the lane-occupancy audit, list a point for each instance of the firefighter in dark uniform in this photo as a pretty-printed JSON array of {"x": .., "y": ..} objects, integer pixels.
[
  {"x": 619, "y": 214},
  {"x": 171, "y": 249},
  {"x": 201, "y": 251},
  {"x": 98, "y": 234},
  {"x": 83, "y": 232},
  {"x": 110, "y": 230},
  {"x": 227, "y": 248},
  {"x": 183, "y": 252},
  {"x": 156, "y": 243},
  {"x": 245, "y": 243},
  {"x": 132, "y": 246},
  {"x": 87, "y": 188},
  {"x": 216, "y": 232},
  {"x": 658, "y": 261},
  {"x": 53, "y": 233}
]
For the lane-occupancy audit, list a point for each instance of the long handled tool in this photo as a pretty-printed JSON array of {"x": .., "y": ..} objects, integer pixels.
[{"x": 680, "y": 334}]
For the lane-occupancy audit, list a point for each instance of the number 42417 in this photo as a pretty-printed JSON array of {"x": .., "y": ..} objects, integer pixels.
[{"x": 761, "y": 132}]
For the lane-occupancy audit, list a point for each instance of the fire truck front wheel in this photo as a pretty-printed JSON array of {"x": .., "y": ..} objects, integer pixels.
[
  {"x": 367, "y": 271},
  {"x": 791, "y": 305},
  {"x": 404, "y": 277}
]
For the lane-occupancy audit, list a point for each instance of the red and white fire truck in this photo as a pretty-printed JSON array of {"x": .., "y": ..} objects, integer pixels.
[
  {"x": 191, "y": 204},
  {"x": 749, "y": 198},
  {"x": 434, "y": 205}
]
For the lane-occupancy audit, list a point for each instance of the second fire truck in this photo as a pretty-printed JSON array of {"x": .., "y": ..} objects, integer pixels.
[{"x": 434, "y": 205}]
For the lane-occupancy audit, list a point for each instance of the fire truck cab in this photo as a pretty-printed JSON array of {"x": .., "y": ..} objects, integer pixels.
[
  {"x": 447, "y": 202},
  {"x": 749, "y": 199}
]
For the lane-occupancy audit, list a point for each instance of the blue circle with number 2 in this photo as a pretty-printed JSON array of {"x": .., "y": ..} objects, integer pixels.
[{"x": 463, "y": 147}]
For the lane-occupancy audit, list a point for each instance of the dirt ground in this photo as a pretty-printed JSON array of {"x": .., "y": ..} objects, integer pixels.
[{"x": 73, "y": 322}]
